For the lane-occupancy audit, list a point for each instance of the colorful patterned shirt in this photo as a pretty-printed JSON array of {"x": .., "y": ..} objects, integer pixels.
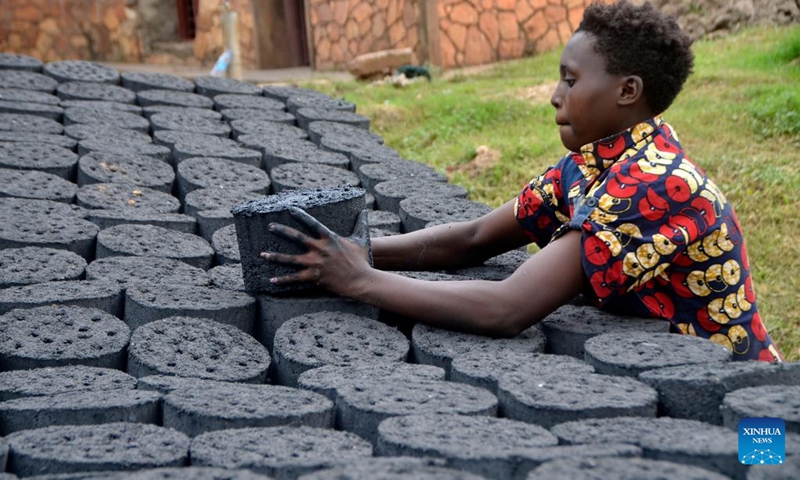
[{"x": 659, "y": 239}]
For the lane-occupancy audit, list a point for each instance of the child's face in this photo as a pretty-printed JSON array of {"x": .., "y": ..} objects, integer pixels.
[{"x": 586, "y": 96}]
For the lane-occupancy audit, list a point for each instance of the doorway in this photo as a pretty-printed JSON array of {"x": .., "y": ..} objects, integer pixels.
[{"x": 280, "y": 28}]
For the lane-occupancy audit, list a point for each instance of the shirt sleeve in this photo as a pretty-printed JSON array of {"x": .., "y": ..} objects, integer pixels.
[{"x": 541, "y": 208}]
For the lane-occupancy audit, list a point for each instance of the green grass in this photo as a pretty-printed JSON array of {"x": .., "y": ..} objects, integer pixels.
[{"x": 738, "y": 118}]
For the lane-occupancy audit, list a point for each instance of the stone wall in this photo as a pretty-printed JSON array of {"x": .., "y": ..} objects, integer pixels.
[
  {"x": 70, "y": 29},
  {"x": 344, "y": 29},
  {"x": 473, "y": 32}
]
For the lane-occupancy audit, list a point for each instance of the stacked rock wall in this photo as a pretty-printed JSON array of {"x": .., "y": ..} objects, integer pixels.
[
  {"x": 58, "y": 30},
  {"x": 131, "y": 341},
  {"x": 344, "y": 29}
]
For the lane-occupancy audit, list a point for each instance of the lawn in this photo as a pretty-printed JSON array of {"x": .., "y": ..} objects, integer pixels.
[{"x": 738, "y": 118}]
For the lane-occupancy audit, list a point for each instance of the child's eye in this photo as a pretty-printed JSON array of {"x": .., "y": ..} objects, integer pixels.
[{"x": 569, "y": 81}]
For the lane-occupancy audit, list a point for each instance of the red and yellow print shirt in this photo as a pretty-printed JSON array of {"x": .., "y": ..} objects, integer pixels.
[{"x": 658, "y": 237}]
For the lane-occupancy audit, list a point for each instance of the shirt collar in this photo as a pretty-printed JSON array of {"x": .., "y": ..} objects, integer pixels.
[{"x": 594, "y": 158}]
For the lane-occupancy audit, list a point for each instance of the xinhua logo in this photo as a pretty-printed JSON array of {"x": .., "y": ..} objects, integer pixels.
[{"x": 762, "y": 441}]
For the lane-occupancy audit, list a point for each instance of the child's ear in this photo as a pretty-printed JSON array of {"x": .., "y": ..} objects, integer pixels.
[{"x": 632, "y": 89}]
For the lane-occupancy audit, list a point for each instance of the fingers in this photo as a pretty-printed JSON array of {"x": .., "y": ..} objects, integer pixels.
[
  {"x": 361, "y": 231},
  {"x": 311, "y": 223},
  {"x": 285, "y": 259},
  {"x": 292, "y": 234},
  {"x": 309, "y": 273}
]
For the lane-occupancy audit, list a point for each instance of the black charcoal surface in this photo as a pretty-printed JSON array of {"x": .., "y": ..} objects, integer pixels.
[
  {"x": 121, "y": 196},
  {"x": 620, "y": 469},
  {"x": 51, "y": 112},
  {"x": 436, "y": 346},
  {"x": 16, "y": 61},
  {"x": 696, "y": 391},
  {"x": 687, "y": 442},
  {"x": 46, "y": 158},
  {"x": 147, "y": 98},
  {"x": 54, "y": 336},
  {"x": 196, "y": 410},
  {"x": 145, "y": 304},
  {"x": 548, "y": 400},
  {"x": 332, "y": 338},
  {"x": 307, "y": 115},
  {"x": 195, "y": 473},
  {"x": 317, "y": 130},
  {"x": 282, "y": 452},
  {"x": 293, "y": 176},
  {"x": 484, "y": 368},
  {"x": 20, "y": 228},
  {"x": 84, "y": 407},
  {"x": 226, "y": 245},
  {"x": 102, "y": 105},
  {"x": 43, "y": 382},
  {"x": 81, "y": 71},
  {"x": 92, "y": 91},
  {"x": 301, "y": 152},
  {"x": 138, "y": 81},
  {"x": 130, "y": 271},
  {"x": 169, "y": 138},
  {"x": 271, "y": 115},
  {"x": 372, "y": 174},
  {"x": 211, "y": 86},
  {"x": 362, "y": 405},
  {"x": 194, "y": 347},
  {"x": 283, "y": 93},
  {"x": 125, "y": 120},
  {"x": 631, "y": 353},
  {"x": 209, "y": 172},
  {"x": 327, "y": 379},
  {"x": 227, "y": 277},
  {"x": 226, "y": 101},
  {"x": 79, "y": 293},
  {"x": 275, "y": 310},
  {"x": 213, "y": 198},
  {"x": 179, "y": 222},
  {"x": 389, "y": 194},
  {"x": 27, "y": 81},
  {"x": 39, "y": 138},
  {"x": 486, "y": 446},
  {"x": 568, "y": 328},
  {"x": 22, "y": 122},
  {"x": 32, "y": 96},
  {"x": 263, "y": 128},
  {"x": 392, "y": 468},
  {"x": 420, "y": 211},
  {"x": 36, "y": 184},
  {"x": 87, "y": 448},
  {"x": 31, "y": 265},
  {"x": 315, "y": 101},
  {"x": 186, "y": 122},
  {"x": 182, "y": 151},
  {"x": 125, "y": 168},
  {"x": 152, "y": 241},
  {"x": 110, "y": 133},
  {"x": 360, "y": 151},
  {"x": 148, "y": 112},
  {"x": 91, "y": 145}
]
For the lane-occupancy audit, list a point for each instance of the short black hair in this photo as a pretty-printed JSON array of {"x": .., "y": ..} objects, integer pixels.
[{"x": 640, "y": 40}]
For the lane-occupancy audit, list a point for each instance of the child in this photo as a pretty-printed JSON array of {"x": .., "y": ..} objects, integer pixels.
[{"x": 625, "y": 217}]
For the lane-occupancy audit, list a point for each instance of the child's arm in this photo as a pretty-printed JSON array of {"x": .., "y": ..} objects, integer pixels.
[
  {"x": 452, "y": 245},
  {"x": 539, "y": 286}
]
